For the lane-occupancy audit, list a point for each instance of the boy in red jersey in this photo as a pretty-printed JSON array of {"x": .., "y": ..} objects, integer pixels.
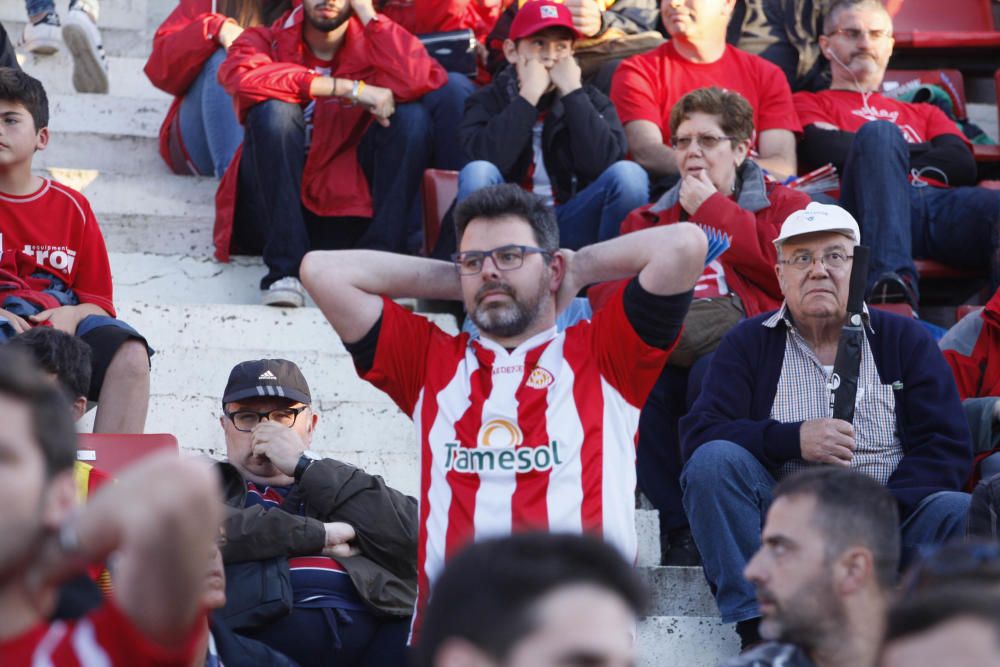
[{"x": 54, "y": 267}]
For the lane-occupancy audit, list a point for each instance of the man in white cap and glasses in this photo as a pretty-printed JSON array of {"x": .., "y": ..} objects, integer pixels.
[{"x": 765, "y": 411}]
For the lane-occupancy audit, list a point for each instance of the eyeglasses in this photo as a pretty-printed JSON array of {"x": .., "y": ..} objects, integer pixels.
[
  {"x": 706, "y": 141},
  {"x": 831, "y": 260},
  {"x": 246, "y": 420},
  {"x": 505, "y": 258},
  {"x": 853, "y": 34}
]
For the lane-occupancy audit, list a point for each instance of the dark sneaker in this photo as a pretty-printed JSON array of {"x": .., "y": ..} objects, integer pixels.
[
  {"x": 984, "y": 510},
  {"x": 679, "y": 550},
  {"x": 893, "y": 288}
]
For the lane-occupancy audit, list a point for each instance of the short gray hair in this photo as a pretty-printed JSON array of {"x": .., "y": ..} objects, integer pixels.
[{"x": 837, "y": 7}]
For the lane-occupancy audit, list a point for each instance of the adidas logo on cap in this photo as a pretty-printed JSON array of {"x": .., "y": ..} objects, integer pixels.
[{"x": 267, "y": 375}]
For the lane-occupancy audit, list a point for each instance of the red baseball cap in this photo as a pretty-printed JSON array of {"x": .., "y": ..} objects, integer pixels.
[{"x": 538, "y": 15}]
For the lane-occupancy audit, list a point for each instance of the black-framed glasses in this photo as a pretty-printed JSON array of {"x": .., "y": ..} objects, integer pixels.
[
  {"x": 831, "y": 260},
  {"x": 246, "y": 420},
  {"x": 706, "y": 141},
  {"x": 505, "y": 258},
  {"x": 854, "y": 34}
]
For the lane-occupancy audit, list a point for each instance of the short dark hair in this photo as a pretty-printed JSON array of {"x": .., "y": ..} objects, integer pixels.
[
  {"x": 51, "y": 417},
  {"x": 851, "y": 509},
  {"x": 59, "y": 353},
  {"x": 497, "y": 201},
  {"x": 958, "y": 563},
  {"x": 734, "y": 112},
  {"x": 839, "y": 6},
  {"x": 932, "y": 608},
  {"x": 488, "y": 592},
  {"x": 16, "y": 86}
]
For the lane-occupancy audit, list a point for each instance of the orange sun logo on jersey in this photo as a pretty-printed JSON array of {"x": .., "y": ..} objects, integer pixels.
[
  {"x": 500, "y": 433},
  {"x": 540, "y": 378}
]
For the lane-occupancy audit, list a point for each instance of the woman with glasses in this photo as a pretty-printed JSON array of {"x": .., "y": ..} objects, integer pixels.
[{"x": 721, "y": 188}]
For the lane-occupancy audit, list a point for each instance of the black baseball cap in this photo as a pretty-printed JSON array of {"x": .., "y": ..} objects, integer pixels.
[{"x": 266, "y": 377}]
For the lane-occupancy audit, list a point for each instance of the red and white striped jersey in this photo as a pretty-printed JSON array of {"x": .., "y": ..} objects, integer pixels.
[
  {"x": 541, "y": 437},
  {"x": 102, "y": 638}
]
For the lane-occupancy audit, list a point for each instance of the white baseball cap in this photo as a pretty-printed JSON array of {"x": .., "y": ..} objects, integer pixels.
[{"x": 819, "y": 218}]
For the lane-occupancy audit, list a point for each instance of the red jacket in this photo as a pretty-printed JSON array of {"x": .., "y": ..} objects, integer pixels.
[
  {"x": 752, "y": 222},
  {"x": 972, "y": 349},
  {"x": 180, "y": 48},
  {"x": 426, "y": 16},
  {"x": 268, "y": 63}
]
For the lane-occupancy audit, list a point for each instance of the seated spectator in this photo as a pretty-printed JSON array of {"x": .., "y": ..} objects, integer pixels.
[
  {"x": 200, "y": 134},
  {"x": 48, "y": 540},
  {"x": 825, "y": 571},
  {"x": 65, "y": 358},
  {"x": 349, "y": 540},
  {"x": 785, "y": 33},
  {"x": 901, "y": 164},
  {"x": 646, "y": 87},
  {"x": 711, "y": 132},
  {"x": 317, "y": 170},
  {"x": 45, "y": 34},
  {"x": 954, "y": 627},
  {"x": 537, "y": 125},
  {"x": 539, "y": 601},
  {"x": 765, "y": 412},
  {"x": 54, "y": 268}
]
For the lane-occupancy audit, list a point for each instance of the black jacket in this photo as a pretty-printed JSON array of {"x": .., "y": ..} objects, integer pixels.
[
  {"x": 581, "y": 137},
  {"x": 237, "y": 651},
  {"x": 385, "y": 520}
]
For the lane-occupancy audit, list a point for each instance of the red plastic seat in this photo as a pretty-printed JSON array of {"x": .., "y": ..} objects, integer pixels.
[
  {"x": 951, "y": 80},
  {"x": 438, "y": 191},
  {"x": 933, "y": 24},
  {"x": 113, "y": 452},
  {"x": 928, "y": 268}
]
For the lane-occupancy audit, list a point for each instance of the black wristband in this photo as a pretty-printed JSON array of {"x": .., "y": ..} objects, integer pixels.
[{"x": 300, "y": 467}]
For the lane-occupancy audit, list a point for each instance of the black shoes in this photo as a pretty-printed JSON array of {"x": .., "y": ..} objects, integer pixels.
[
  {"x": 894, "y": 288},
  {"x": 677, "y": 548}
]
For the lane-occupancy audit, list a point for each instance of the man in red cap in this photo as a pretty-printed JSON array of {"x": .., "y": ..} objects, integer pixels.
[{"x": 537, "y": 125}]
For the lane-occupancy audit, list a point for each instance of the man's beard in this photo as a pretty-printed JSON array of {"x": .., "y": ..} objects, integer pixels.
[
  {"x": 806, "y": 617},
  {"x": 508, "y": 319},
  {"x": 329, "y": 25}
]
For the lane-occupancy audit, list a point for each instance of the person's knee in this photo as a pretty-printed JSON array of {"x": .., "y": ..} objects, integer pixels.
[
  {"x": 411, "y": 122},
  {"x": 879, "y": 134},
  {"x": 479, "y": 174},
  {"x": 629, "y": 178},
  {"x": 952, "y": 507},
  {"x": 131, "y": 361},
  {"x": 273, "y": 117},
  {"x": 715, "y": 459}
]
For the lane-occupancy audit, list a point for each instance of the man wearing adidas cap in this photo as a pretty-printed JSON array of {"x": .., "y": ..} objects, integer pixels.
[
  {"x": 348, "y": 539},
  {"x": 764, "y": 412}
]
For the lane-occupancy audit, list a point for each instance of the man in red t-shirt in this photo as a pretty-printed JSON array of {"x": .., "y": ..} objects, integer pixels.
[
  {"x": 646, "y": 87},
  {"x": 160, "y": 520},
  {"x": 901, "y": 164}
]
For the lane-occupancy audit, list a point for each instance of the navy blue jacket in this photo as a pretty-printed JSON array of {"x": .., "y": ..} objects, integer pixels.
[{"x": 739, "y": 388}]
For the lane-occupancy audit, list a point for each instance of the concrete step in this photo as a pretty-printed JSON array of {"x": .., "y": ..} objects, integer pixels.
[
  {"x": 186, "y": 279},
  {"x": 124, "y": 42},
  {"x": 118, "y": 14},
  {"x": 677, "y": 591},
  {"x": 125, "y": 75},
  {"x": 160, "y": 213},
  {"x": 685, "y": 641}
]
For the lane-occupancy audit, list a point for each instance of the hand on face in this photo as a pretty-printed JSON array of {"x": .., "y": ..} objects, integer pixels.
[
  {"x": 695, "y": 189},
  {"x": 280, "y": 445},
  {"x": 566, "y": 75},
  {"x": 533, "y": 77}
]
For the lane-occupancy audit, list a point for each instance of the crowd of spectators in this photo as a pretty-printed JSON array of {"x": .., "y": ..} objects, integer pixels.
[{"x": 654, "y": 300}]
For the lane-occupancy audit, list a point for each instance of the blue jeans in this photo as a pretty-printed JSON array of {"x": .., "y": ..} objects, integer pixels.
[
  {"x": 446, "y": 107},
  {"x": 900, "y": 221},
  {"x": 727, "y": 492},
  {"x": 593, "y": 214},
  {"x": 209, "y": 128},
  {"x": 35, "y": 7},
  {"x": 270, "y": 217}
]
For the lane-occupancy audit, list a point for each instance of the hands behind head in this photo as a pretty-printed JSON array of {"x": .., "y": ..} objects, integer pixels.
[{"x": 695, "y": 189}]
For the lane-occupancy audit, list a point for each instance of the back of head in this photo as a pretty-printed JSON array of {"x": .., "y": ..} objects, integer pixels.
[
  {"x": 488, "y": 592},
  {"x": 733, "y": 110},
  {"x": 18, "y": 87},
  {"x": 929, "y": 609},
  {"x": 839, "y": 6},
  {"x": 57, "y": 352},
  {"x": 973, "y": 563},
  {"x": 249, "y": 13},
  {"x": 51, "y": 418},
  {"x": 852, "y": 509},
  {"x": 508, "y": 199}
]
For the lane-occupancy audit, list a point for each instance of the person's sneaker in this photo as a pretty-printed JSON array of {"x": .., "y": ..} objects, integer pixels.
[
  {"x": 90, "y": 63},
  {"x": 285, "y": 292},
  {"x": 43, "y": 37},
  {"x": 893, "y": 288},
  {"x": 678, "y": 549},
  {"x": 984, "y": 510}
]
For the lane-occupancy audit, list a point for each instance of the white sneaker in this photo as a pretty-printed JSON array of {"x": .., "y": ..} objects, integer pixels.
[
  {"x": 44, "y": 37},
  {"x": 285, "y": 292},
  {"x": 90, "y": 64}
]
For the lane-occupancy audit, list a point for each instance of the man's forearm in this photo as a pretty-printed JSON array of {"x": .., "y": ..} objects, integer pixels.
[
  {"x": 383, "y": 273},
  {"x": 658, "y": 159}
]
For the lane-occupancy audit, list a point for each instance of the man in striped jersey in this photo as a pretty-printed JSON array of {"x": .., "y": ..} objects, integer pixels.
[
  {"x": 525, "y": 428},
  {"x": 160, "y": 519}
]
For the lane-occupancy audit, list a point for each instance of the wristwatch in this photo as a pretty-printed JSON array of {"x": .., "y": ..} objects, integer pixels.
[{"x": 301, "y": 466}]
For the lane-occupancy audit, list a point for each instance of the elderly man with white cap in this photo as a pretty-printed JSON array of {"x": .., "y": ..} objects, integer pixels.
[{"x": 765, "y": 411}]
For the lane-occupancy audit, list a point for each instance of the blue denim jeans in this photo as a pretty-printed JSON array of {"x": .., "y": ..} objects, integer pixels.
[
  {"x": 900, "y": 221},
  {"x": 35, "y": 7},
  {"x": 446, "y": 107},
  {"x": 594, "y": 214},
  {"x": 727, "y": 492},
  {"x": 270, "y": 215},
  {"x": 209, "y": 128}
]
